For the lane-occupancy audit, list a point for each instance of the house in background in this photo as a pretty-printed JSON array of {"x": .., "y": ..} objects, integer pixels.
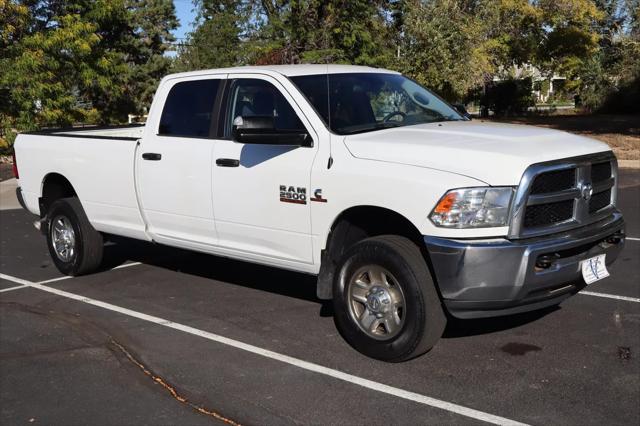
[{"x": 543, "y": 88}]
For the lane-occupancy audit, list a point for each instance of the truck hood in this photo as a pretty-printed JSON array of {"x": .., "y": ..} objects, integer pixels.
[{"x": 494, "y": 153}]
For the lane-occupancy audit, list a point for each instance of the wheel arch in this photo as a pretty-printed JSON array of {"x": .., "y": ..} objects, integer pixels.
[
  {"x": 355, "y": 224},
  {"x": 54, "y": 186}
]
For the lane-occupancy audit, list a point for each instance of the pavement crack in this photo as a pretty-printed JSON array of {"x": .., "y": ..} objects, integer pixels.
[
  {"x": 171, "y": 389},
  {"x": 95, "y": 336}
]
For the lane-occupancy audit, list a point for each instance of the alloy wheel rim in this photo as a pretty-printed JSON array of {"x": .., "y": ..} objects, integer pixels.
[
  {"x": 376, "y": 302},
  {"x": 63, "y": 238}
]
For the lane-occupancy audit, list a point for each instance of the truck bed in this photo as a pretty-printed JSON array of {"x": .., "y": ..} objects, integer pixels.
[
  {"x": 100, "y": 161},
  {"x": 128, "y": 132}
]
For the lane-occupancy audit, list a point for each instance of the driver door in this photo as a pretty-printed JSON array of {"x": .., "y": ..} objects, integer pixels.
[{"x": 261, "y": 191}]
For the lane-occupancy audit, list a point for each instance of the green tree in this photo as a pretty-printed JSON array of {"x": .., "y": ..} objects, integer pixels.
[
  {"x": 569, "y": 37},
  {"x": 512, "y": 30},
  {"x": 288, "y": 31},
  {"x": 355, "y": 32},
  {"x": 65, "y": 62},
  {"x": 443, "y": 46},
  {"x": 216, "y": 42},
  {"x": 634, "y": 17},
  {"x": 151, "y": 23},
  {"x": 134, "y": 36},
  {"x": 48, "y": 74},
  {"x": 13, "y": 22},
  {"x": 610, "y": 78}
]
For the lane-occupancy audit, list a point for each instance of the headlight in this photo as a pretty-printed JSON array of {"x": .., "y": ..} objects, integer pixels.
[{"x": 473, "y": 208}]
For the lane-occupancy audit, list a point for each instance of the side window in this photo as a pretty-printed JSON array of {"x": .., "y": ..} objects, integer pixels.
[
  {"x": 188, "y": 109},
  {"x": 259, "y": 98}
]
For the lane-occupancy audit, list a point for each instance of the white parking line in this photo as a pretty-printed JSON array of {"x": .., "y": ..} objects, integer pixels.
[
  {"x": 23, "y": 283},
  {"x": 632, "y": 239},
  {"x": 12, "y": 288},
  {"x": 611, "y": 296},
  {"x": 53, "y": 280},
  {"x": 66, "y": 277},
  {"x": 305, "y": 365},
  {"x": 126, "y": 265}
]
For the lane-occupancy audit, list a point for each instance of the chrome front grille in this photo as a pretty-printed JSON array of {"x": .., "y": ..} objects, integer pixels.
[
  {"x": 554, "y": 181},
  {"x": 600, "y": 201},
  {"x": 564, "y": 194},
  {"x": 601, "y": 172},
  {"x": 548, "y": 213}
]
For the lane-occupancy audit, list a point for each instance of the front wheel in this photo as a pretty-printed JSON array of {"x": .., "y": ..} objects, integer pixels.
[
  {"x": 385, "y": 301},
  {"x": 75, "y": 246}
]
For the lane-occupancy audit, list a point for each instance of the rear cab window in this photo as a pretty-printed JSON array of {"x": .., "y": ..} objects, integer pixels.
[{"x": 189, "y": 109}]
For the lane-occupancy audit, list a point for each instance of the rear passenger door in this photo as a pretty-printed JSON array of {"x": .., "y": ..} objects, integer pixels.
[{"x": 174, "y": 162}]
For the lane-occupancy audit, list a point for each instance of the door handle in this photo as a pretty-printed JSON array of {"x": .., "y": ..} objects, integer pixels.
[
  {"x": 151, "y": 156},
  {"x": 227, "y": 162}
]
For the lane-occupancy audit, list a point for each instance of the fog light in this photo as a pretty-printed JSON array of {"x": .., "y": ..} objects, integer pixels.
[
  {"x": 615, "y": 239},
  {"x": 546, "y": 260}
]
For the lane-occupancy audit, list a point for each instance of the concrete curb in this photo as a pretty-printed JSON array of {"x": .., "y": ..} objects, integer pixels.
[
  {"x": 629, "y": 164},
  {"x": 9, "y": 182},
  {"x": 8, "y": 200}
]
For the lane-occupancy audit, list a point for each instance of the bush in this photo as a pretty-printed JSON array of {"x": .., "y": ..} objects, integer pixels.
[
  {"x": 508, "y": 97},
  {"x": 623, "y": 100},
  {"x": 6, "y": 141}
]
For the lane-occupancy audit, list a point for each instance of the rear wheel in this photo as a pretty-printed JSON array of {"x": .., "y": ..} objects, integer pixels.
[
  {"x": 75, "y": 246},
  {"x": 385, "y": 302}
]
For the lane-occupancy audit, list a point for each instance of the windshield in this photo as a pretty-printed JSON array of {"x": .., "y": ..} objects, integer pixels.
[{"x": 362, "y": 102}]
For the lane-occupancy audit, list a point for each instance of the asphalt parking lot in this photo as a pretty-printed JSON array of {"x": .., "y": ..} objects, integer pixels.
[{"x": 165, "y": 336}]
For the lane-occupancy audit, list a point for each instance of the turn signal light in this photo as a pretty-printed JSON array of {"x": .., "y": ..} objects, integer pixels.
[{"x": 446, "y": 203}]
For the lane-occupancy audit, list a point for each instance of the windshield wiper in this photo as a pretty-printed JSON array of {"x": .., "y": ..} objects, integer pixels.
[
  {"x": 377, "y": 126},
  {"x": 388, "y": 124}
]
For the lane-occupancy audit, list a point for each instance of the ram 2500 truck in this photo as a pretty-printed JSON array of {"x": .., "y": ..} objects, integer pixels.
[{"x": 407, "y": 211}]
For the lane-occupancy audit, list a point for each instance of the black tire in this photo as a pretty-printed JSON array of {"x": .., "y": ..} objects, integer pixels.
[
  {"x": 424, "y": 318},
  {"x": 88, "y": 244}
]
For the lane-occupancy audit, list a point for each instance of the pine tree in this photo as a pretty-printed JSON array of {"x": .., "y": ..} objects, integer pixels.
[{"x": 216, "y": 41}]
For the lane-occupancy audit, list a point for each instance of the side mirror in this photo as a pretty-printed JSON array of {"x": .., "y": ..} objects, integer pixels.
[
  {"x": 261, "y": 130},
  {"x": 462, "y": 110}
]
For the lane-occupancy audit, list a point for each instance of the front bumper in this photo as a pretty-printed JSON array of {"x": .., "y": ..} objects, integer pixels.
[{"x": 485, "y": 278}]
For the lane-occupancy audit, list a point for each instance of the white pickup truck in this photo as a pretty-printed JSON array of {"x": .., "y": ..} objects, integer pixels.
[{"x": 407, "y": 211}]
